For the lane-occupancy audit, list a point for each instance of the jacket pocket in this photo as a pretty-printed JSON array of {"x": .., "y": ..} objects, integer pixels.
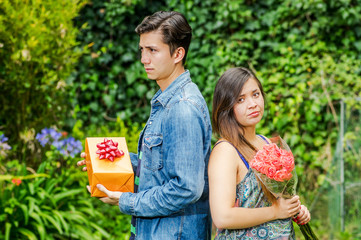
[{"x": 153, "y": 151}]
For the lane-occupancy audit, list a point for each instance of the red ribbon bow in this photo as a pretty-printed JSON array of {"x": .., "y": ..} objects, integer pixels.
[{"x": 108, "y": 150}]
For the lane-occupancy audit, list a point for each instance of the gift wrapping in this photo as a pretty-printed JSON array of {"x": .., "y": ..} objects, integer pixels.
[{"x": 115, "y": 175}]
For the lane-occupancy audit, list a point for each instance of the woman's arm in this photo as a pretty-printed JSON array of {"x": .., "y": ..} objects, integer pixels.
[{"x": 222, "y": 170}]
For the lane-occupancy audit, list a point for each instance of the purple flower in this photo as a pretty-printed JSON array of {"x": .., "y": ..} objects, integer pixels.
[
  {"x": 46, "y": 135},
  {"x": 43, "y": 137},
  {"x": 54, "y": 134},
  {"x": 3, "y": 138},
  {"x": 3, "y": 145},
  {"x": 67, "y": 146}
]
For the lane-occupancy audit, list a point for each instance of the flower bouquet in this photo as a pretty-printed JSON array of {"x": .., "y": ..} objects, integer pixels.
[{"x": 274, "y": 165}]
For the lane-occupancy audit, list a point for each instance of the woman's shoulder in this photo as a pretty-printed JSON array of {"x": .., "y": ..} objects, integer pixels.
[
  {"x": 223, "y": 143},
  {"x": 224, "y": 148},
  {"x": 264, "y": 138},
  {"x": 224, "y": 156}
]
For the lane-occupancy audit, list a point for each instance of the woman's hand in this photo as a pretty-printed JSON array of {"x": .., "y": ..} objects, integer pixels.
[
  {"x": 303, "y": 217},
  {"x": 285, "y": 208}
]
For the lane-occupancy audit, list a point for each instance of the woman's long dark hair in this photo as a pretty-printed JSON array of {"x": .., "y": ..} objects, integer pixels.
[
  {"x": 225, "y": 96},
  {"x": 225, "y": 123}
]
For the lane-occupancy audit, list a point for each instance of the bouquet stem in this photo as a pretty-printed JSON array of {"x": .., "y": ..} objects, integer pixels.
[{"x": 307, "y": 232}]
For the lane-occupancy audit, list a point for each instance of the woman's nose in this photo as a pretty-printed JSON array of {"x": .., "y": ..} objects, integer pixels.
[{"x": 252, "y": 103}]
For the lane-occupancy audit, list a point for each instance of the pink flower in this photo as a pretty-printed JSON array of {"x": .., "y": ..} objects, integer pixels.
[
  {"x": 16, "y": 181},
  {"x": 271, "y": 172},
  {"x": 274, "y": 162}
]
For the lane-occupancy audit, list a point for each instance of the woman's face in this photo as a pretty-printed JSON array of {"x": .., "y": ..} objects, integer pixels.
[{"x": 250, "y": 105}]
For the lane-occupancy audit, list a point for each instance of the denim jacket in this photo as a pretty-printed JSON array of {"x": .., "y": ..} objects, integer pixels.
[{"x": 172, "y": 198}]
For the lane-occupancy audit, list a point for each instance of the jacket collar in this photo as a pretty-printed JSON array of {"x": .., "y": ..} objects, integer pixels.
[{"x": 164, "y": 97}]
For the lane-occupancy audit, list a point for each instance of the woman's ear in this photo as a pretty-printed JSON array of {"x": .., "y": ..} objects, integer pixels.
[{"x": 179, "y": 54}]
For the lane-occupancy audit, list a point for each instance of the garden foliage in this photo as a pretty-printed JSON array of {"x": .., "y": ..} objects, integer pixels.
[
  {"x": 60, "y": 54},
  {"x": 51, "y": 206},
  {"x": 51, "y": 201},
  {"x": 37, "y": 55},
  {"x": 306, "y": 53}
]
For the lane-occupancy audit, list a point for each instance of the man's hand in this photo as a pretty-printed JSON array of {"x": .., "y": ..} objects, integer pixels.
[
  {"x": 82, "y": 162},
  {"x": 113, "y": 197}
]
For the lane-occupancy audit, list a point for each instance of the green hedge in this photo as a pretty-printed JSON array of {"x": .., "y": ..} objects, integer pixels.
[
  {"x": 306, "y": 53},
  {"x": 110, "y": 81}
]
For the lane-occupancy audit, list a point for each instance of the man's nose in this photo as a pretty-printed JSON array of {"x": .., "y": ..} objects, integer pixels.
[{"x": 145, "y": 58}]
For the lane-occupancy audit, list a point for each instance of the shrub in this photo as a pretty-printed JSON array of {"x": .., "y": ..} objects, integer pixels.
[
  {"x": 37, "y": 54},
  {"x": 45, "y": 206}
]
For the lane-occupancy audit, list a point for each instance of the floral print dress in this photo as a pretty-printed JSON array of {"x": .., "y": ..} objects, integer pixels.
[{"x": 249, "y": 194}]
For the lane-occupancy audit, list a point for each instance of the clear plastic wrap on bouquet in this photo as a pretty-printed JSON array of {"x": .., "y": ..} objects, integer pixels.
[
  {"x": 285, "y": 189},
  {"x": 274, "y": 166}
]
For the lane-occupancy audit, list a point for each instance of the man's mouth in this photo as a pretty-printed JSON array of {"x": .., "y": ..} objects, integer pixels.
[{"x": 148, "y": 69}]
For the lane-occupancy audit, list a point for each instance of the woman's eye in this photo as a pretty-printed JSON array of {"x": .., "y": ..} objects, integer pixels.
[
  {"x": 241, "y": 100},
  {"x": 256, "y": 94}
]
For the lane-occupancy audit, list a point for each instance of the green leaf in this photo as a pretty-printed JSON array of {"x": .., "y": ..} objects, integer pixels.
[
  {"x": 41, "y": 230},
  {"x": 37, "y": 218},
  {"x": 77, "y": 217},
  {"x": 61, "y": 218},
  {"x": 29, "y": 234},
  {"x": 50, "y": 185},
  {"x": 83, "y": 231},
  {"x": 24, "y": 208},
  {"x": 60, "y": 196},
  {"x": 53, "y": 220},
  {"x": 31, "y": 188},
  {"x": 7, "y": 230},
  {"x": 101, "y": 230},
  {"x": 109, "y": 100},
  {"x": 6, "y": 177}
]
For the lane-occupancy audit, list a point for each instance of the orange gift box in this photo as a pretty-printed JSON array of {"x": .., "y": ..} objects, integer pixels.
[{"x": 115, "y": 176}]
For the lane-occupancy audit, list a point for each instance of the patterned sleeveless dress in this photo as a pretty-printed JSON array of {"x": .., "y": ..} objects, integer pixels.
[{"x": 249, "y": 194}]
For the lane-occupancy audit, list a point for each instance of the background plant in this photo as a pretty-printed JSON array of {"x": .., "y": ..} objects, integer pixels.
[
  {"x": 52, "y": 207},
  {"x": 306, "y": 53},
  {"x": 37, "y": 54},
  {"x": 52, "y": 202}
]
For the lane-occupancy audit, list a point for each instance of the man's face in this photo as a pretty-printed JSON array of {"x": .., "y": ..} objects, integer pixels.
[{"x": 156, "y": 58}]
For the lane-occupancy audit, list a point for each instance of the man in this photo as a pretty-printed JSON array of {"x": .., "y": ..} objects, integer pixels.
[{"x": 170, "y": 200}]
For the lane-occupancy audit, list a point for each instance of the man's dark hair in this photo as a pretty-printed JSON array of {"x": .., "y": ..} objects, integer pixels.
[{"x": 173, "y": 26}]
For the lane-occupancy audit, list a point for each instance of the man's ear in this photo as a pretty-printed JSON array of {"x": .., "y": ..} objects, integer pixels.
[{"x": 179, "y": 54}]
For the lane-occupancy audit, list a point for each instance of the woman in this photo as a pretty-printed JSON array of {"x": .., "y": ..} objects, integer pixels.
[{"x": 241, "y": 208}]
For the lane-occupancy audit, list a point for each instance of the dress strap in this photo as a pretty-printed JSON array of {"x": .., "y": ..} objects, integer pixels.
[
  {"x": 263, "y": 138},
  {"x": 239, "y": 154}
]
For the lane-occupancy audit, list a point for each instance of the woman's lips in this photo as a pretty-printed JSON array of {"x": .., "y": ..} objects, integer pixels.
[{"x": 254, "y": 114}]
